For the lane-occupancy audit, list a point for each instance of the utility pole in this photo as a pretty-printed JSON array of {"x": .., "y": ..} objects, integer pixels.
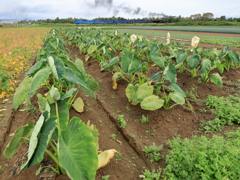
[{"x": 16, "y": 18}]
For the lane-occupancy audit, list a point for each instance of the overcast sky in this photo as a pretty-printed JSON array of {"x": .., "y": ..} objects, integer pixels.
[{"x": 89, "y": 9}]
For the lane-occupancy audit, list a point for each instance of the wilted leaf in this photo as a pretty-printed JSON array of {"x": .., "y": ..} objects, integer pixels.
[
  {"x": 105, "y": 156},
  {"x": 78, "y": 105}
]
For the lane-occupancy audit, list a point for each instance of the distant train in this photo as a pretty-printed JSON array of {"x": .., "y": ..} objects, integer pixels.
[{"x": 122, "y": 21}]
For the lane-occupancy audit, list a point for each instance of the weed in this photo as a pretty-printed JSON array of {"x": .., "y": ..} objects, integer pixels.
[
  {"x": 204, "y": 158},
  {"x": 227, "y": 111},
  {"x": 144, "y": 119},
  {"x": 192, "y": 92},
  {"x": 203, "y": 110},
  {"x": 118, "y": 156},
  {"x": 150, "y": 132},
  {"x": 106, "y": 177},
  {"x": 122, "y": 122},
  {"x": 113, "y": 136},
  {"x": 132, "y": 136},
  {"x": 152, "y": 152},
  {"x": 128, "y": 108},
  {"x": 148, "y": 175}
]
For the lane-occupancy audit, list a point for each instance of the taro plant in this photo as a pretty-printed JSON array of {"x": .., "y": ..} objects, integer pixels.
[
  {"x": 73, "y": 143},
  {"x": 143, "y": 94}
]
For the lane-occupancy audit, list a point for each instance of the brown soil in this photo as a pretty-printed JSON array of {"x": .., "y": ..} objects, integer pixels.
[{"x": 163, "y": 125}]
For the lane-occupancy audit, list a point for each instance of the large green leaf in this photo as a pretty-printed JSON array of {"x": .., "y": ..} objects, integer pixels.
[
  {"x": 91, "y": 49},
  {"x": 42, "y": 101},
  {"x": 143, "y": 91},
  {"x": 43, "y": 139},
  {"x": 205, "y": 66},
  {"x": 234, "y": 56},
  {"x": 34, "y": 142},
  {"x": 79, "y": 64},
  {"x": 131, "y": 91},
  {"x": 78, "y": 79},
  {"x": 181, "y": 57},
  {"x": 68, "y": 93},
  {"x": 224, "y": 51},
  {"x": 152, "y": 102},
  {"x": 77, "y": 151},
  {"x": 32, "y": 71},
  {"x": 129, "y": 63},
  {"x": 39, "y": 78},
  {"x": 175, "y": 87},
  {"x": 157, "y": 60},
  {"x": 56, "y": 66},
  {"x": 193, "y": 61},
  {"x": 216, "y": 79},
  {"x": 170, "y": 73},
  {"x": 177, "y": 97},
  {"x": 63, "y": 112},
  {"x": 20, "y": 134},
  {"x": 22, "y": 92},
  {"x": 93, "y": 84}
]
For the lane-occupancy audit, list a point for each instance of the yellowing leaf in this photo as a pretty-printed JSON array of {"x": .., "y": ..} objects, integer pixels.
[
  {"x": 114, "y": 83},
  {"x": 78, "y": 105},
  {"x": 105, "y": 156}
]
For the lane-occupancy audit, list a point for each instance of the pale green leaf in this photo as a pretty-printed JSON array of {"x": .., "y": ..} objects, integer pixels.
[{"x": 152, "y": 102}]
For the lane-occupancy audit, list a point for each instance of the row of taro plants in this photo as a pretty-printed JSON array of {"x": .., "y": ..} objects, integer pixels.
[
  {"x": 73, "y": 144},
  {"x": 131, "y": 58}
]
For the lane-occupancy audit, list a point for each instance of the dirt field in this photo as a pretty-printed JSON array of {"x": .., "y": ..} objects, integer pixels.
[{"x": 163, "y": 125}]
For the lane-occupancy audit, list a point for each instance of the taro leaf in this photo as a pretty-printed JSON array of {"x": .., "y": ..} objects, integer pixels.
[
  {"x": 104, "y": 65},
  {"x": 56, "y": 66},
  {"x": 32, "y": 71},
  {"x": 20, "y": 134},
  {"x": 63, "y": 114},
  {"x": 54, "y": 93},
  {"x": 143, "y": 91},
  {"x": 205, "y": 66},
  {"x": 42, "y": 101},
  {"x": 79, "y": 64},
  {"x": 34, "y": 140},
  {"x": 152, "y": 102},
  {"x": 22, "y": 92},
  {"x": 91, "y": 49},
  {"x": 131, "y": 93},
  {"x": 157, "y": 60},
  {"x": 216, "y": 79},
  {"x": 193, "y": 61},
  {"x": 95, "y": 133},
  {"x": 92, "y": 83},
  {"x": 79, "y": 79},
  {"x": 181, "y": 57},
  {"x": 220, "y": 67},
  {"x": 77, "y": 151},
  {"x": 177, "y": 97},
  {"x": 156, "y": 76},
  {"x": 129, "y": 63},
  {"x": 39, "y": 78},
  {"x": 224, "y": 51},
  {"x": 72, "y": 66},
  {"x": 234, "y": 56},
  {"x": 170, "y": 73},
  {"x": 78, "y": 105},
  {"x": 175, "y": 87},
  {"x": 44, "y": 137},
  {"x": 68, "y": 94}
]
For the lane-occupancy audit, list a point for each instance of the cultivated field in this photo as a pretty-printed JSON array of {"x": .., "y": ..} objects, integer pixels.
[{"x": 171, "y": 111}]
